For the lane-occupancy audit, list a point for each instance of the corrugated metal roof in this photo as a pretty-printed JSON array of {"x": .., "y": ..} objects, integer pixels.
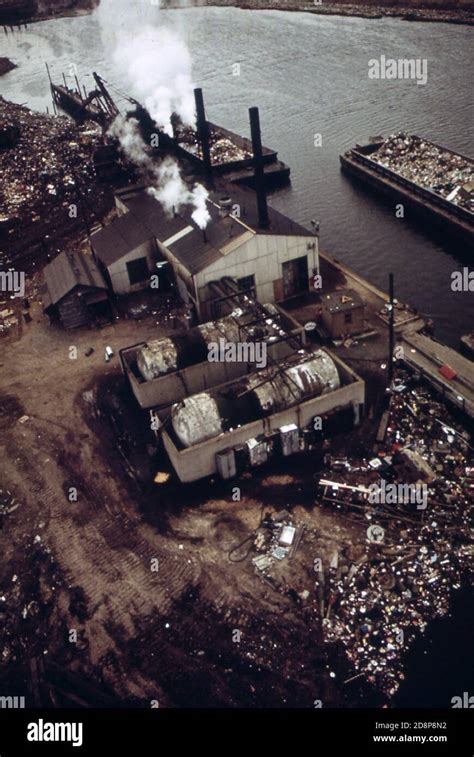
[
  {"x": 68, "y": 270},
  {"x": 147, "y": 219},
  {"x": 120, "y": 237}
]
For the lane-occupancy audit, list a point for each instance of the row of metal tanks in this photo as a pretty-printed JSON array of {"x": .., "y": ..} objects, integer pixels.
[
  {"x": 212, "y": 416},
  {"x": 163, "y": 371},
  {"x": 273, "y": 411},
  {"x": 208, "y": 415}
]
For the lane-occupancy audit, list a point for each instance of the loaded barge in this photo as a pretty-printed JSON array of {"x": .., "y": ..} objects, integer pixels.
[
  {"x": 214, "y": 150},
  {"x": 435, "y": 183}
]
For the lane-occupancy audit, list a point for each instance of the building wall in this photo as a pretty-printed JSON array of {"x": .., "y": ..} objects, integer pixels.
[
  {"x": 184, "y": 279},
  {"x": 118, "y": 271},
  {"x": 200, "y": 460},
  {"x": 262, "y": 256},
  {"x": 336, "y": 323},
  {"x": 73, "y": 311}
]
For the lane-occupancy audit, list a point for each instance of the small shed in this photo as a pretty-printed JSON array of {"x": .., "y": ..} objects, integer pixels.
[
  {"x": 75, "y": 291},
  {"x": 343, "y": 313}
]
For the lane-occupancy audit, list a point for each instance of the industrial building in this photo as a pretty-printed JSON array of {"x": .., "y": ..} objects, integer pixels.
[
  {"x": 75, "y": 291},
  {"x": 167, "y": 370},
  {"x": 250, "y": 419},
  {"x": 245, "y": 239},
  {"x": 277, "y": 261}
]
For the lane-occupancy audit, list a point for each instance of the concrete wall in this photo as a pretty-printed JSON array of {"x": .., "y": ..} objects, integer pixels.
[
  {"x": 174, "y": 387},
  {"x": 118, "y": 271},
  {"x": 200, "y": 460}
]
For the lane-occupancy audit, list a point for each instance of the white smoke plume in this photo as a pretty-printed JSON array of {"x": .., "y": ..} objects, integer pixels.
[
  {"x": 169, "y": 188},
  {"x": 172, "y": 193},
  {"x": 127, "y": 131},
  {"x": 154, "y": 61}
]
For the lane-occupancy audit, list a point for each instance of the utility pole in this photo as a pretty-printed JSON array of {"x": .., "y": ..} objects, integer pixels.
[{"x": 391, "y": 329}]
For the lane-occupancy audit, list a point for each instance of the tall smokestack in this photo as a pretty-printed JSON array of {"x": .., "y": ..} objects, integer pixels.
[
  {"x": 263, "y": 221},
  {"x": 203, "y": 134}
]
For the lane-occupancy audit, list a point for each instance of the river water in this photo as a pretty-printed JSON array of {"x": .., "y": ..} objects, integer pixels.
[{"x": 308, "y": 75}]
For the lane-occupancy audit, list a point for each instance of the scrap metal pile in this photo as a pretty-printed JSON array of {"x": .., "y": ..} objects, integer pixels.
[
  {"x": 379, "y": 603},
  {"x": 223, "y": 150},
  {"x": 42, "y": 167},
  {"x": 281, "y": 540},
  {"x": 429, "y": 166}
]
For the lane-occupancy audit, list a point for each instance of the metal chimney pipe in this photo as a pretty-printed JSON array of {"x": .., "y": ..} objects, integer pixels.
[
  {"x": 263, "y": 221},
  {"x": 203, "y": 134}
]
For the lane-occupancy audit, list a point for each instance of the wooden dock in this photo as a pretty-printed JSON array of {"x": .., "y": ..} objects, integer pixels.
[{"x": 428, "y": 357}]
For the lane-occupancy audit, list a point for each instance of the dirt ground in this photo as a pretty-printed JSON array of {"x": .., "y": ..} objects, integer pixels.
[{"x": 164, "y": 636}]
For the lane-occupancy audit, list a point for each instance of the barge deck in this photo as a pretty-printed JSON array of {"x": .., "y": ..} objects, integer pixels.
[{"x": 424, "y": 202}]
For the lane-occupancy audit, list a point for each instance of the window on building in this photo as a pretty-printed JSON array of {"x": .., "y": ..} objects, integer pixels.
[
  {"x": 138, "y": 270},
  {"x": 347, "y": 317},
  {"x": 247, "y": 282}
]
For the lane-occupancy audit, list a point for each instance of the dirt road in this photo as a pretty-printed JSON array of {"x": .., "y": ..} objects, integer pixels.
[{"x": 143, "y": 635}]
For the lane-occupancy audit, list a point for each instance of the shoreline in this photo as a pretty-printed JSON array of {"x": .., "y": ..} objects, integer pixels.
[
  {"x": 410, "y": 13},
  {"x": 81, "y": 9},
  {"x": 356, "y": 10}
]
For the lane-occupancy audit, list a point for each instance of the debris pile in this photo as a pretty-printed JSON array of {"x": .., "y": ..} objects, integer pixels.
[
  {"x": 281, "y": 540},
  {"x": 46, "y": 167},
  {"x": 449, "y": 175},
  {"x": 222, "y": 149},
  {"x": 8, "y": 503},
  {"x": 27, "y": 601},
  {"x": 377, "y": 604},
  {"x": 7, "y": 319}
]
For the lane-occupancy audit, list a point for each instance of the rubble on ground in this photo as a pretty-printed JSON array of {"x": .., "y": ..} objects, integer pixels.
[
  {"x": 46, "y": 167},
  {"x": 222, "y": 149},
  {"x": 389, "y": 597},
  {"x": 377, "y": 595}
]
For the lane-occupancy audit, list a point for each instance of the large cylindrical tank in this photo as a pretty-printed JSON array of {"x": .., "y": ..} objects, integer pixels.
[
  {"x": 157, "y": 358},
  {"x": 196, "y": 419},
  {"x": 312, "y": 378},
  {"x": 168, "y": 354},
  {"x": 206, "y": 415}
]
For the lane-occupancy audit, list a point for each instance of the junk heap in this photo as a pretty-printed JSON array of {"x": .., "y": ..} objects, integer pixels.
[
  {"x": 43, "y": 162},
  {"x": 376, "y": 592},
  {"x": 222, "y": 149},
  {"x": 429, "y": 166},
  {"x": 413, "y": 557}
]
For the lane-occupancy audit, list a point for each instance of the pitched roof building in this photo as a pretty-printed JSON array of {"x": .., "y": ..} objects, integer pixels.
[
  {"x": 75, "y": 290},
  {"x": 277, "y": 261}
]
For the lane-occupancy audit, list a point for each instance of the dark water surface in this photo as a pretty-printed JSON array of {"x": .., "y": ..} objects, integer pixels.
[{"x": 308, "y": 74}]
